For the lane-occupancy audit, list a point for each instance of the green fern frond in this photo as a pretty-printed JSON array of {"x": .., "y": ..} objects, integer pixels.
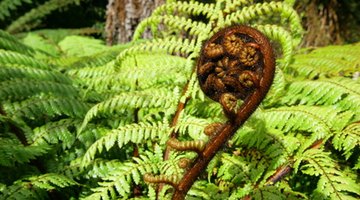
[
  {"x": 18, "y": 89},
  {"x": 259, "y": 10},
  {"x": 333, "y": 183},
  {"x": 348, "y": 139},
  {"x": 43, "y": 46},
  {"x": 32, "y": 18},
  {"x": 192, "y": 126},
  {"x": 8, "y": 72},
  {"x": 138, "y": 99},
  {"x": 92, "y": 72},
  {"x": 281, "y": 35},
  {"x": 169, "y": 45},
  {"x": 119, "y": 183},
  {"x": 37, "y": 107},
  {"x": 172, "y": 23},
  {"x": 11, "y": 43},
  {"x": 327, "y": 62},
  {"x": 81, "y": 46},
  {"x": 9, "y": 57},
  {"x": 345, "y": 93},
  {"x": 13, "y": 152},
  {"x": 34, "y": 186},
  {"x": 63, "y": 131},
  {"x": 6, "y": 6},
  {"x": 186, "y": 8},
  {"x": 135, "y": 133},
  {"x": 319, "y": 122}
]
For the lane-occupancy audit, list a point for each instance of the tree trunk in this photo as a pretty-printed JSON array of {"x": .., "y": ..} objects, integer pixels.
[{"x": 122, "y": 17}]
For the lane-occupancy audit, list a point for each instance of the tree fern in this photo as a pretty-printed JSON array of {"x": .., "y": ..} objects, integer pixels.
[{"x": 74, "y": 109}]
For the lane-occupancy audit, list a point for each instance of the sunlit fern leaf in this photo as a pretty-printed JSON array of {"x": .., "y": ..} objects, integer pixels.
[
  {"x": 8, "y": 72},
  {"x": 277, "y": 89},
  {"x": 81, "y": 46},
  {"x": 9, "y": 57},
  {"x": 12, "y": 152},
  {"x": 313, "y": 66},
  {"x": 341, "y": 91},
  {"x": 257, "y": 11},
  {"x": 138, "y": 99},
  {"x": 18, "y": 89},
  {"x": 120, "y": 182},
  {"x": 319, "y": 122},
  {"x": 186, "y": 8},
  {"x": 281, "y": 35},
  {"x": 11, "y": 43},
  {"x": 44, "y": 47},
  {"x": 169, "y": 45},
  {"x": 172, "y": 23},
  {"x": 93, "y": 71},
  {"x": 37, "y": 107},
  {"x": 333, "y": 183},
  {"x": 348, "y": 139},
  {"x": 135, "y": 133},
  {"x": 192, "y": 126},
  {"x": 62, "y": 131}
]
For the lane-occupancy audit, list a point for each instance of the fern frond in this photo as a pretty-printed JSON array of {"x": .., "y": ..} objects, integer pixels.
[
  {"x": 81, "y": 46},
  {"x": 327, "y": 62},
  {"x": 333, "y": 183},
  {"x": 172, "y": 23},
  {"x": 44, "y": 48},
  {"x": 9, "y": 57},
  {"x": 319, "y": 122},
  {"x": 18, "y": 89},
  {"x": 169, "y": 45},
  {"x": 135, "y": 133},
  {"x": 9, "y": 42},
  {"x": 63, "y": 131},
  {"x": 119, "y": 183},
  {"x": 186, "y": 8},
  {"x": 138, "y": 99},
  {"x": 36, "y": 107},
  {"x": 345, "y": 93},
  {"x": 348, "y": 139},
  {"x": 6, "y": 6},
  {"x": 8, "y": 72},
  {"x": 259, "y": 10},
  {"x": 192, "y": 126},
  {"x": 13, "y": 152},
  {"x": 32, "y": 18},
  {"x": 34, "y": 186},
  {"x": 278, "y": 33}
]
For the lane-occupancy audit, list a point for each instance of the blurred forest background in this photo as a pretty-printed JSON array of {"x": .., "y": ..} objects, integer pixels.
[{"x": 325, "y": 21}]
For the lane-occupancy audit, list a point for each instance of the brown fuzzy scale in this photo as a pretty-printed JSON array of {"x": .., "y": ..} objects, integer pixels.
[
  {"x": 233, "y": 44},
  {"x": 213, "y": 50},
  {"x": 249, "y": 56}
]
